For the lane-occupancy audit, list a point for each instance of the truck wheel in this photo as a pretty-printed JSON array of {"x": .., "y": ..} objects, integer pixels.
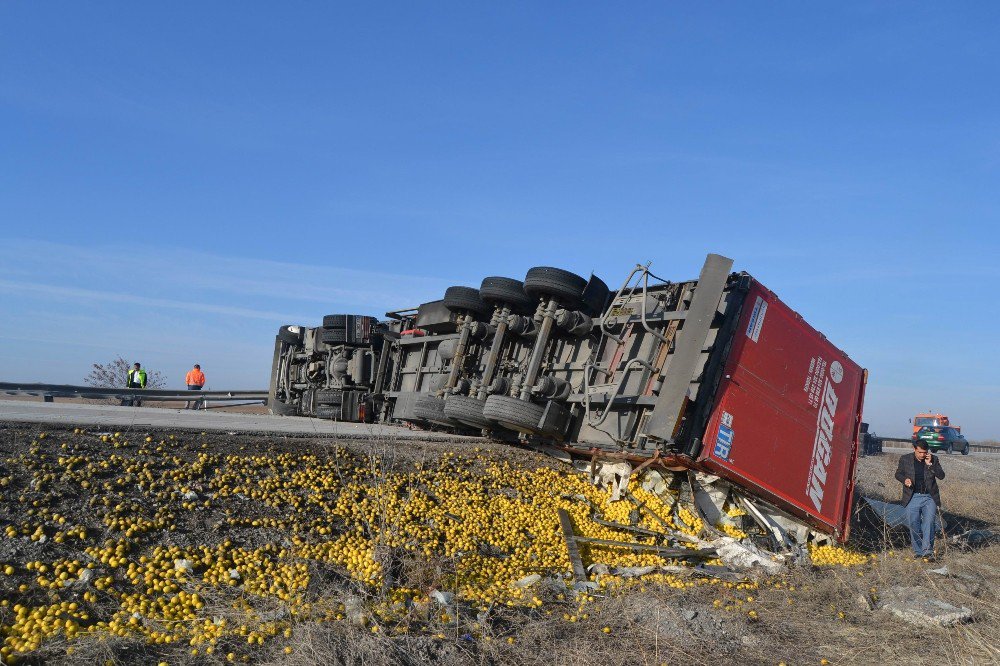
[
  {"x": 431, "y": 408},
  {"x": 291, "y": 337},
  {"x": 565, "y": 287},
  {"x": 465, "y": 299},
  {"x": 466, "y": 410},
  {"x": 507, "y": 291},
  {"x": 328, "y": 412},
  {"x": 329, "y": 397},
  {"x": 351, "y": 330},
  {"x": 513, "y": 413},
  {"x": 949, "y": 449},
  {"x": 965, "y": 451},
  {"x": 333, "y": 336},
  {"x": 335, "y": 321},
  {"x": 279, "y": 408}
]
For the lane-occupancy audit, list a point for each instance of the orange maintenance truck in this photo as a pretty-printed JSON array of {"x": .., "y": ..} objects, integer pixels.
[{"x": 933, "y": 420}]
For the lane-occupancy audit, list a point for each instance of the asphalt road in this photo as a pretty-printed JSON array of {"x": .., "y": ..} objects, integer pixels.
[
  {"x": 69, "y": 414},
  {"x": 153, "y": 417}
]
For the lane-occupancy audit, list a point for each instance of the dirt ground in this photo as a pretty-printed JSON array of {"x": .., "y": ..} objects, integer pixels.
[{"x": 184, "y": 548}]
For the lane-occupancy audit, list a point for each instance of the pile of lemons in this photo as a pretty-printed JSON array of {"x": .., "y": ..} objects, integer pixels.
[
  {"x": 195, "y": 544},
  {"x": 831, "y": 555}
]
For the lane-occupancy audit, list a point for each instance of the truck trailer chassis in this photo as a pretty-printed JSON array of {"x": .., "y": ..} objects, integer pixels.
[{"x": 715, "y": 379}]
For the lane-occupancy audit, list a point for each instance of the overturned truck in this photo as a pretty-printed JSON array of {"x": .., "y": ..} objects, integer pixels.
[{"x": 714, "y": 379}]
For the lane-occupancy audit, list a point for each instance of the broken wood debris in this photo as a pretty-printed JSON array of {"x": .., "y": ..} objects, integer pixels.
[
  {"x": 681, "y": 553},
  {"x": 594, "y": 517},
  {"x": 573, "y": 541},
  {"x": 579, "y": 572},
  {"x": 639, "y": 503},
  {"x": 628, "y": 528}
]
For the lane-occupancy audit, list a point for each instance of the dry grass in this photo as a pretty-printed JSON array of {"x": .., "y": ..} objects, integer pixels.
[{"x": 655, "y": 626}]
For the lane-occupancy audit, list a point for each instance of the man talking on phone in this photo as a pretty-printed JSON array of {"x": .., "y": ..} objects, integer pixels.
[{"x": 919, "y": 473}]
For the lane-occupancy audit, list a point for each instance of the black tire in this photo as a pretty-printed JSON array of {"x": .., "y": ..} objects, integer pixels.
[
  {"x": 279, "y": 408},
  {"x": 567, "y": 288},
  {"x": 329, "y": 397},
  {"x": 350, "y": 330},
  {"x": 513, "y": 414},
  {"x": 290, "y": 337},
  {"x": 335, "y": 321},
  {"x": 965, "y": 451},
  {"x": 333, "y": 336},
  {"x": 328, "y": 412},
  {"x": 507, "y": 291},
  {"x": 431, "y": 408},
  {"x": 465, "y": 299},
  {"x": 466, "y": 410}
]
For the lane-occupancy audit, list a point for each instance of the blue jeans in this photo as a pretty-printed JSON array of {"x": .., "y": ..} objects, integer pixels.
[{"x": 921, "y": 514}]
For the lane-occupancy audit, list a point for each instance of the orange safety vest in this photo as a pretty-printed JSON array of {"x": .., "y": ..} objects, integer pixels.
[{"x": 195, "y": 378}]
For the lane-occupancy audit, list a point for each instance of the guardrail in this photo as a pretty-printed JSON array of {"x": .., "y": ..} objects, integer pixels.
[
  {"x": 906, "y": 443},
  {"x": 896, "y": 440},
  {"x": 49, "y": 392}
]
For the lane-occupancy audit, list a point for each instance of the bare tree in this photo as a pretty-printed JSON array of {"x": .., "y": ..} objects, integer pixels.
[{"x": 115, "y": 375}]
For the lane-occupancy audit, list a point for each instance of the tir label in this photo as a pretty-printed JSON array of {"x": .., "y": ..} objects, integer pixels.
[
  {"x": 757, "y": 319},
  {"x": 724, "y": 440}
]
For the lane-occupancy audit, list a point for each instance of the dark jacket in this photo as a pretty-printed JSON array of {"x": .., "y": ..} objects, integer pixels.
[{"x": 909, "y": 465}]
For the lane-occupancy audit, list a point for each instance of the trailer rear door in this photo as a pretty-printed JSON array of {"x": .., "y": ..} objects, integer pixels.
[{"x": 786, "y": 415}]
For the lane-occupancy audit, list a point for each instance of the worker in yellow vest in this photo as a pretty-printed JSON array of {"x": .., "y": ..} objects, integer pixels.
[{"x": 136, "y": 379}]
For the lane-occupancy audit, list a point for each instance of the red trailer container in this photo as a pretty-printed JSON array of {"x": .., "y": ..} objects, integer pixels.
[{"x": 785, "y": 419}]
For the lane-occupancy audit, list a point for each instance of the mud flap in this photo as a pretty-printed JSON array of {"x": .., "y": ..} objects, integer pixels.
[
  {"x": 555, "y": 420},
  {"x": 403, "y": 407}
]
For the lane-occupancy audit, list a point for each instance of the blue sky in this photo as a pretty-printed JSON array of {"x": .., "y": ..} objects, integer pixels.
[{"x": 178, "y": 180}]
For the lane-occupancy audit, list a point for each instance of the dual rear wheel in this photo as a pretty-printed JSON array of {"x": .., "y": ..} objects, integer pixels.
[
  {"x": 541, "y": 282},
  {"x": 497, "y": 410},
  {"x": 514, "y": 414}
]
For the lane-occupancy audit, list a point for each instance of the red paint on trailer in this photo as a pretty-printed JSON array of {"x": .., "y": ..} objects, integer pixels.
[{"x": 786, "y": 415}]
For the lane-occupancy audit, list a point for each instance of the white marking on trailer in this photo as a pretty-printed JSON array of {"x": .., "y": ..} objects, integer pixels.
[
  {"x": 757, "y": 319},
  {"x": 836, "y": 372},
  {"x": 723, "y": 442},
  {"x": 822, "y": 445}
]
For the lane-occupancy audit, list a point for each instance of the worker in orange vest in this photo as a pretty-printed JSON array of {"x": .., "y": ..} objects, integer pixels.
[{"x": 194, "y": 379}]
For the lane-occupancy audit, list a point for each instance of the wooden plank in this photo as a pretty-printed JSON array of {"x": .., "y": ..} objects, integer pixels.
[
  {"x": 579, "y": 572},
  {"x": 628, "y": 528},
  {"x": 660, "y": 550}
]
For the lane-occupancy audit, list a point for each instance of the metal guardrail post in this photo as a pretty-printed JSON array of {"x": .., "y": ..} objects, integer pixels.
[
  {"x": 902, "y": 443},
  {"x": 48, "y": 393}
]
